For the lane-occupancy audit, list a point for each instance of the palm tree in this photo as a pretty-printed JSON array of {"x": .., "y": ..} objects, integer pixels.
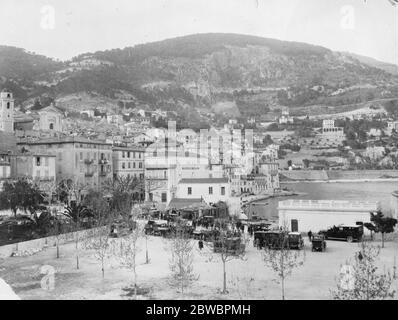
[{"x": 77, "y": 212}]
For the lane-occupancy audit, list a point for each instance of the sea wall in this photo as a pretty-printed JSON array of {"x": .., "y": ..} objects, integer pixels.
[{"x": 338, "y": 175}]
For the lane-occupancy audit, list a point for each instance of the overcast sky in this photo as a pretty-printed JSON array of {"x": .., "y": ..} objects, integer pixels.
[{"x": 367, "y": 27}]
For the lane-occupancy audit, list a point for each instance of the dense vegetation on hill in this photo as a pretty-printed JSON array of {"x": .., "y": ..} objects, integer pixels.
[{"x": 201, "y": 71}]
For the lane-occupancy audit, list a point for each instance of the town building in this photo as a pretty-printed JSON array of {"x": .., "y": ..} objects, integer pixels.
[
  {"x": 285, "y": 117},
  {"x": 88, "y": 113},
  {"x": 263, "y": 180},
  {"x": 51, "y": 119},
  {"x": 81, "y": 160},
  {"x": 331, "y": 131},
  {"x": 5, "y": 167},
  {"x": 374, "y": 152},
  {"x": 115, "y": 119},
  {"x": 39, "y": 167},
  {"x": 128, "y": 161},
  {"x": 23, "y": 122},
  {"x": 374, "y": 132},
  {"x": 6, "y": 111},
  {"x": 317, "y": 215},
  {"x": 394, "y": 205},
  {"x": 392, "y": 126},
  {"x": 211, "y": 190}
]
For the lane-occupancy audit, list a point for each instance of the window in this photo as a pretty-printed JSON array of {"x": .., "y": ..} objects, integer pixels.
[
  {"x": 129, "y": 165},
  {"x": 210, "y": 190},
  {"x": 134, "y": 165},
  {"x": 164, "y": 197},
  {"x": 151, "y": 196},
  {"x": 139, "y": 155},
  {"x": 123, "y": 165},
  {"x": 140, "y": 165},
  {"x": 189, "y": 190},
  {"x": 134, "y": 154},
  {"x": 46, "y": 161},
  {"x": 81, "y": 155},
  {"x": 128, "y": 154},
  {"x": 51, "y": 126},
  {"x": 223, "y": 191},
  {"x": 8, "y": 105},
  {"x": 123, "y": 155},
  {"x": 38, "y": 161}
]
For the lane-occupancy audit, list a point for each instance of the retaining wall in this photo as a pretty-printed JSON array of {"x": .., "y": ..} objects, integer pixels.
[{"x": 40, "y": 244}]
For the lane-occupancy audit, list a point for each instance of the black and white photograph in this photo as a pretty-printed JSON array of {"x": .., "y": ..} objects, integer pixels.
[{"x": 198, "y": 150}]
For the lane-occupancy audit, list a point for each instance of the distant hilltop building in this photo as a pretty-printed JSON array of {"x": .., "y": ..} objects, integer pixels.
[
  {"x": 6, "y": 111},
  {"x": 286, "y": 118},
  {"x": 392, "y": 126},
  {"x": 329, "y": 129}
]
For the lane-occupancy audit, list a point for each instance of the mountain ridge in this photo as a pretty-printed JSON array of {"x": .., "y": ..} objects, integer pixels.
[{"x": 202, "y": 70}]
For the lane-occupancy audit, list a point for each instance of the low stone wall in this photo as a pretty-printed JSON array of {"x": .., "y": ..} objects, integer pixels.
[
  {"x": 39, "y": 244},
  {"x": 336, "y": 175}
]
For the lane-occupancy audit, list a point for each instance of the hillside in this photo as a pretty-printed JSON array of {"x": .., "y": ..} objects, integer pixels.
[{"x": 251, "y": 74}]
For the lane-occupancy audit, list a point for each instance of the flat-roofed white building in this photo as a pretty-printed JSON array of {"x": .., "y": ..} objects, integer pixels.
[
  {"x": 211, "y": 190},
  {"x": 316, "y": 215}
]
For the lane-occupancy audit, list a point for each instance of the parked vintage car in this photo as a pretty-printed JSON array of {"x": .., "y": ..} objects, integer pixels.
[
  {"x": 295, "y": 240},
  {"x": 21, "y": 227},
  {"x": 276, "y": 239},
  {"x": 318, "y": 242},
  {"x": 348, "y": 233},
  {"x": 260, "y": 239},
  {"x": 157, "y": 228},
  {"x": 206, "y": 235}
]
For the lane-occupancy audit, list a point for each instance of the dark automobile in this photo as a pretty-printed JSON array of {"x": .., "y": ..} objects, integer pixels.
[
  {"x": 21, "y": 227},
  {"x": 348, "y": 233},
  {"x": 258, "y": 226},
  {"x": 318, "y": 243},
  {"x": 295, "y": 240},
  {"x": 276, "y": 240},
  {"x": 259, "y": 239},
  {"x": 206, "y": 235},
  {"x": 157, "y": 228},
  {"x": 229, "y": 245}
]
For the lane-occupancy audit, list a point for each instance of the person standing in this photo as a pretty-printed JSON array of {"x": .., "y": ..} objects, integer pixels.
[{"x": 310, "y": 235}]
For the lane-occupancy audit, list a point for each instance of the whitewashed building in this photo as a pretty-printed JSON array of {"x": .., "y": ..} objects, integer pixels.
[
  {"x": 316, "y": 215},
  {"x": 211, "y": 190}
]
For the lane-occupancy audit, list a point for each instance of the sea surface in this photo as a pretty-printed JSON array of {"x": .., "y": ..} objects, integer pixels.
[{"x": 367, "y": 191}]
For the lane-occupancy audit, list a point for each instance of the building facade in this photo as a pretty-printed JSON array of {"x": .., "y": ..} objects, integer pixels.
[
  {"x": 316, "y": 215},
  {"x": 39, "y": 167},
  {"x": 88, "y": 162},
  {"x": 50, "y": 119},
  {"x": 211, "y": 190},
  {"x": 5, "y": 167},
  {"x": 128, "y": 161},
  {"x": 6, "y": 111}
]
